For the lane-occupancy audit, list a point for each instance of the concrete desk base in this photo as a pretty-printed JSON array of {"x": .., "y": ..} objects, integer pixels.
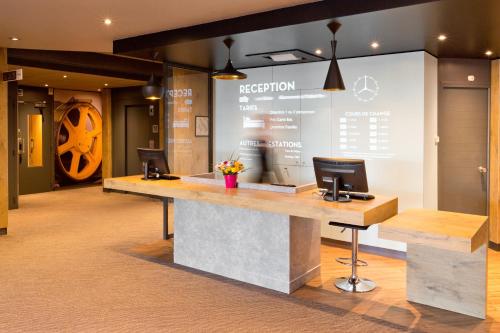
[
  {"x": 446, "y": 258},
  {"x": 269, "y": 239},
  {"x": 446, "y": 279},
  {"x": 274, "y": 251}
]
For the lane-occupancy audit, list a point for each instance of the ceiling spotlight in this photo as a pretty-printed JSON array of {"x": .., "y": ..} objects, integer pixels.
[
  {"x": 374, "y": 45},
  {"x": 65, "y": 76},
  {"x": 45, "y": 85},
  {"x": 318, "y": 51},
  {"x": 99, "y": 89},
  {"x": 488, "y": 53},
  {"x": 107, "y": 21},
  {"x": 105, "y": 84},
  {"x": 13, "y": 38},
  {"x": 229, "y": 72},
  {"x": 333, "y": 81},
  {"x": 442, "y": 37}
]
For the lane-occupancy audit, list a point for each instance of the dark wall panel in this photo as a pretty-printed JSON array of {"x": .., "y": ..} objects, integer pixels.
[
  {"x": 13, "y": 157},
  {"x": 120, "y": 99},
  {"x": 453, "y": 71},
  {"x": 36, "y": 180}
]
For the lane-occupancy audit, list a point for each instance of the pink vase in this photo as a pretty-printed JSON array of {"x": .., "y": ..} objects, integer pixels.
[{"x": 231, "y": 181}]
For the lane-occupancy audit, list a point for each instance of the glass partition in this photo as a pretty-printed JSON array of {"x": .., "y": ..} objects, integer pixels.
[
  {"x": 188, "y": 121},
  {"x": 35, "y": 140}
]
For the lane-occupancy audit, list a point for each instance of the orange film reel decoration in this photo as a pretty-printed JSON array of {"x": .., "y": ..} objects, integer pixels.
[{"x": 78, "y": 140}]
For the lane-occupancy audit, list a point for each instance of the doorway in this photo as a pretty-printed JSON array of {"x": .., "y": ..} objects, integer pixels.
[
  {"x": 463, "y": 150},
  {"x": 34, "y": 146},
  {"x": 141, "y": 131}
]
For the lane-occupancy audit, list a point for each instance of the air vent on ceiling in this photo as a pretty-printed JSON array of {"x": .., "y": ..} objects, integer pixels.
[
  {"x": 287, "y": 56},
  {"x": 280, "y": 57}
]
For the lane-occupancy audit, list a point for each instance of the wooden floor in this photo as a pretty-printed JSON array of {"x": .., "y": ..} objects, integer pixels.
[{"x": 388, "y": 302}]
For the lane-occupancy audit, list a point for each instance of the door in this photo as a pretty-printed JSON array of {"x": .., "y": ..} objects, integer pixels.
[
  {"x": 139, "y": 133},
  {"x": 463, "y": 150},
  {"x": 34, "y": 142}
]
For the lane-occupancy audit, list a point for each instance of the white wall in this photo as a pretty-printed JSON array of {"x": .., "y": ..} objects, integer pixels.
[
  {"x": 391, "y": 124},
  {"x": 430, "y": 195}
]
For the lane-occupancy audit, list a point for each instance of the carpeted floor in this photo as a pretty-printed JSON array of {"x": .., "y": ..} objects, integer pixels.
[{"x": 86, "y": 261}]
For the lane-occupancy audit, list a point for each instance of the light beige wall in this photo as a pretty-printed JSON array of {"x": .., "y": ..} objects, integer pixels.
[
  {"x": 430, "y": 193},
  {"x": 494, "y": 167},
  {"x": 107, "y": 138},
  {"x": 4, "y": 172},
  {"x": 161, "y": 122}
]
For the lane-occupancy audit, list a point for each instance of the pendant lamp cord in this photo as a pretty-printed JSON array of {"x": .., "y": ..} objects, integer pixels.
[{"x": 334, "y": 46}]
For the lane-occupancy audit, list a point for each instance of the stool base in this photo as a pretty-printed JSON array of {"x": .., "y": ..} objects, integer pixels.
[{"x": 359, "y": 286}]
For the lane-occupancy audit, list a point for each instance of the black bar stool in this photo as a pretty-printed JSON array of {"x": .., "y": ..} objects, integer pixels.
[{"x": 353, "y": 283}]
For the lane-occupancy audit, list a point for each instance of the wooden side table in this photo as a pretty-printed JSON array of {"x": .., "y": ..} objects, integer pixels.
[{"x": 446, "y": 258}]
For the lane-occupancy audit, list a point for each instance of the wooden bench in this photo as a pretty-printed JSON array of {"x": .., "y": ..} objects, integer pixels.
[{"x": 446, "y": 258}]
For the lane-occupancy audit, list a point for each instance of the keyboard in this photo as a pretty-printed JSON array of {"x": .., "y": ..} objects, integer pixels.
[
  {"x": 285, "y": 185},
  {"x": 169, "y": 177},
  {"x": 357, "y": 196}
]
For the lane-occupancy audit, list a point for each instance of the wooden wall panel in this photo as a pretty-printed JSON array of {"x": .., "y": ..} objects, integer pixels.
[
  {"x": 4, "y": 147},
  {"x": 161, "y": 122},
  {"x": 494, "y": 167},
  {"x": 107, "y": 135},
  {"x": 188, "y": 154}
]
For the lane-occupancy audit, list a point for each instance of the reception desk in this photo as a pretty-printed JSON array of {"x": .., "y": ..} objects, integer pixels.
[{"x": 264, "y": 238}]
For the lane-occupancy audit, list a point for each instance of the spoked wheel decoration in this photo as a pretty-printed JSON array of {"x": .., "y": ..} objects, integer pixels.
[{"x": 79, "y": 140}]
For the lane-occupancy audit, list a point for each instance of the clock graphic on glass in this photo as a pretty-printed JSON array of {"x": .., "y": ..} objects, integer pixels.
[{"x": 365, "y": 88}]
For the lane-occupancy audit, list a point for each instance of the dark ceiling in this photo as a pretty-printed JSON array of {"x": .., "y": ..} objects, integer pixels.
[{"x": 470, "y": 25}]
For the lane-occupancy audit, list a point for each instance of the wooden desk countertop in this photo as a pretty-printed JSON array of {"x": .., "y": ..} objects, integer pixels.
[
  {"x": 304, "y": 204},
  {"x": 440, "y": 229}
]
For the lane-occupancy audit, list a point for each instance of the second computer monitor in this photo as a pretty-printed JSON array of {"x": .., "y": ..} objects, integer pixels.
[
  {"x": 340, "y": 174},
  {"x": 155, "y": 158}
]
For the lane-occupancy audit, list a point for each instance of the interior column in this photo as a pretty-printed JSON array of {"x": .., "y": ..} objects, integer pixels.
[
  {"x": 4, "y": 174},
  {"x": 107, "y": 138},
  {"x": 494, "y": 171}
]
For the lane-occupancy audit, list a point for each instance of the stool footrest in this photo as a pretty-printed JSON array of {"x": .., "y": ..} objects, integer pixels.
[{"x": 348, "y": 262}]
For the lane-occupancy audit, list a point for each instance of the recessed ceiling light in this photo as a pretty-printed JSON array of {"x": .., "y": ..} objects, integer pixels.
[
  {"x": 442, "y": 37},
  {"x": 488, "y": 53},
  {"x": 13, "y": 38},
  {"x": 65, "y": 76},
  {"x": 374, "y": 45},
  {"x": 105, "y": 84},
  {"x": 45, "y": 85},
  {"x": 318, "y": 51},
  {"x": 107, "y": 21},
  {"x": 99, "y": 89}
]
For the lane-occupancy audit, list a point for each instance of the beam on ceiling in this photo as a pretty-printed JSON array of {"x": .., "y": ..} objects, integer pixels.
[
  {"x": 86, "y": 63},
  {"x": 310, "y": 12}
]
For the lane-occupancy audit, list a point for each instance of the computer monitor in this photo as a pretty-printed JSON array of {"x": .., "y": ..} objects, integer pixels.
[
  {"x": 340, "y": 174},
  {"x": 153, "y": 162}
]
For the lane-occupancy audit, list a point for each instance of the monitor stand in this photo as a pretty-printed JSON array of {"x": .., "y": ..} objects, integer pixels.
[
  {"x": 335, "y": 196},
  {"x": 146, "y": 175}
]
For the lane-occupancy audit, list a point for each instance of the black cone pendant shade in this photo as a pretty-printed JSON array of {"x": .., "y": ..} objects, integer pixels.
[
  {"x": 229, "y": 72},
  {"x": 153, "y": 89},
  {"x": 334, "y": 80}
]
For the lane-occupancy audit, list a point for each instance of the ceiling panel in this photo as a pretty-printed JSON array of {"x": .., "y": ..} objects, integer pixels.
[
  {"x": 78, "y": 25},
  {"x": 471, "y": 28},
  {"x": 38, "y": 77}
]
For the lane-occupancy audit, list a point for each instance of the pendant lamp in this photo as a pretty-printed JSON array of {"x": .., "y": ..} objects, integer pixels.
[
  {"x": 334, "y": 80},
  {"x": 229, "y": 72},
  {"x": 153, "y": 89}
]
